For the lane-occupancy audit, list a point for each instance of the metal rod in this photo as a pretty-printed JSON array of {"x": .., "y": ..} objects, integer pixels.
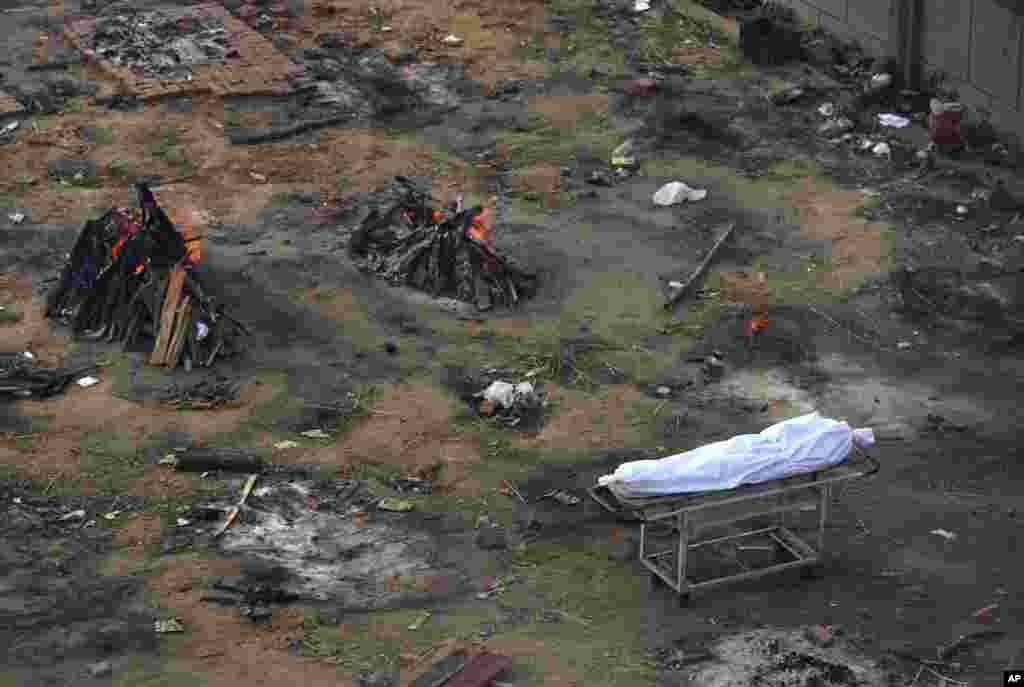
[
  {"x": 730, "y": 537},
  {"x": 786, "y": 546},
  {"x": 826, "y": 495},
  {"x": 683, "y": 548}
]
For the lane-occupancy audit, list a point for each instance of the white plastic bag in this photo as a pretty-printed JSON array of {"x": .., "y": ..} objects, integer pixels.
[
  {"x": 676, "y": 192},
  {"x": 802, "y": 444}
]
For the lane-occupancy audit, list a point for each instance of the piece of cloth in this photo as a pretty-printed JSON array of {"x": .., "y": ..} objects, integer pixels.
[{"x": 797, "y": 446}]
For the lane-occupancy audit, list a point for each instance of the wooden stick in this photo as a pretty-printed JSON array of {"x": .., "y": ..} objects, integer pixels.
[
  {"x": 701, "y": 269},
  {"x": 233, "y": 513},
  {"x": 167, "y": 316},
  {"x": 181, "y": 326}
]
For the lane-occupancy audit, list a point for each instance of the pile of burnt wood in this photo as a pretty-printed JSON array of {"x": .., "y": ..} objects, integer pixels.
[
  {"x": 446, "y": 252},
  {"x": 20, "y": 377},
  {"x": 131, "y": 279}
]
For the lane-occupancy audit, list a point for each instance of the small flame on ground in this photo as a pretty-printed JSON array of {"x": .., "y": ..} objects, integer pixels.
[{"x": 480, "y": 229}]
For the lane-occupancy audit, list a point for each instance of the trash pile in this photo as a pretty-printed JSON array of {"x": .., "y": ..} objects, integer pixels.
[
  {"x": 447, "y": 252},
  {"x": 511, "y": 404},
  {"x": 161, "y": 44},
  {"x": 21, "y": 378},
  {"x": 131, "y": 278}
]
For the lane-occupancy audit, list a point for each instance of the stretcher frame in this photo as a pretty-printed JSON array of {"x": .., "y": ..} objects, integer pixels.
[{"x": 689, "y": 514}]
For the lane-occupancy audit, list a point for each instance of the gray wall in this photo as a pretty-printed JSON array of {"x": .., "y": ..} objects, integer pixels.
[{"x": 979, "y": 44}]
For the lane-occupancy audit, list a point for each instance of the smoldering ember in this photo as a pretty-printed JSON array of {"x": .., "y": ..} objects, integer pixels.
[{"x": 559, "y": 342}]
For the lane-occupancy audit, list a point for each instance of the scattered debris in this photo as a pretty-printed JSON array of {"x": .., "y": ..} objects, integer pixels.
[
  {"x": 410, "y": 485},
  {"x": 967, "y": 641},
  {"x": 86, "y": 382},
  {"x": 73, "y": 515},
  {"x": 641, "y": 5},
  {"x": 623, "y": 155},
  {"x": 836, "y": 127},
  {"x": 510, "y": 404},
  {"x": 945, "y": 534},
  {"x": 258, "y": 178},
  {"x": 206, "y": 394},
  {"x": 287, "y": 444},
  {"x": 418, "y": 623},
  {"x": 678, "y": 294},
  {"x": 447, "y": 253},
  {"x": 452, "y": 39},
  {"x": 881, "y": 149},
  {"x": 315, "y": 434},
  {"x": 130, "y": 276},
  {"x": 893, "y": 120},
  {"x": 171, "y": 625},
  {"x": 393, "y": 505},
  {"x": 676, "y": 192},
  {"x": 256, "y": 614},
  {"x": 16, "y": 217},
  {"x": 112, "y": 515},
  {"x": 161, "y": 44},
  {"x": 8, "y": 129},
  {"x": 880, "y": 82},
  {"x": 788, "y": 96},
  {"x": 233, "y": 513},
  {"x": 561, "y": 496},
  {"x": 21, "y": 378},
  {"x": 101, "y": 669},
  {"x": 827, "y": 110}
]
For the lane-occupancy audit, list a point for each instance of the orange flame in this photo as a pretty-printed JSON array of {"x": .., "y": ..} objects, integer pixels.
[
  {"x": 182, "y": 220},
  {"x": 480, "y": 230}
]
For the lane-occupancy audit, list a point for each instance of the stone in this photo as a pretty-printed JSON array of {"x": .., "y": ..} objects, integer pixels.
[
  {"x": 492, "y": 539},
  {"x": 600, "y": 71},
  {"x": 80, "y": 171},
  {"x": 256, "y": 614},
  {"x": 101, "y": 669},
  {"x": 379, "y": 679},
  {"x": 391, "y": 348}
]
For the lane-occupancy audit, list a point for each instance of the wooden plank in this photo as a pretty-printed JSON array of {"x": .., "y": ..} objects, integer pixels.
[
  {"x": 182, "y": 324},
  {"x": 701, "y": 269},
  {"x": 167, "y": 316}
]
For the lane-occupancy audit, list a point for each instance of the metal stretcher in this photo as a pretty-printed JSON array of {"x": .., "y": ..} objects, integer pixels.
[{"x": 690, "y": 514}]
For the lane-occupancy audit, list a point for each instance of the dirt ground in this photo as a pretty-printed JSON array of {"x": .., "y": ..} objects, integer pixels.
[{"x": 885, "y": 305}]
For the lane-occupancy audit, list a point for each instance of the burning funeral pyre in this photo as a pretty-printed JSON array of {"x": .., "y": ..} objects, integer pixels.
[
  {"x": 131, "y": 279},
  {"x": 446, "y": 252}
]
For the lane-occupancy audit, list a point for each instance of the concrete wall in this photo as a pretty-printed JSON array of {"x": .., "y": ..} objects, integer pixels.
[{"x": 978, "y": 44}]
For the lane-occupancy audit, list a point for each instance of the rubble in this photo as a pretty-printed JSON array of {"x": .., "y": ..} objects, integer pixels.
[
  {"x": 161, "y": 44},
  {"x": 447, "y": 253},
  {"x": 21, "y": 377},
  {"x": 132, "y": 278}
]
